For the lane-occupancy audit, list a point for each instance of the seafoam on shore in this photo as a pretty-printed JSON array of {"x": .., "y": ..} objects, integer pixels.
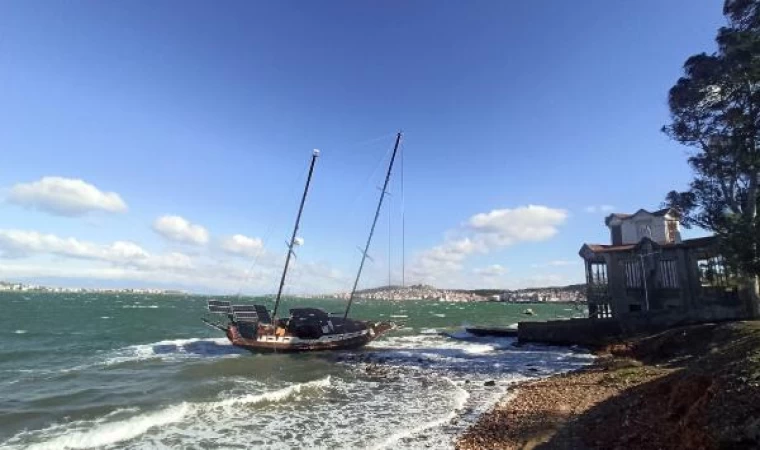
[{"x": 411, "y": 391}]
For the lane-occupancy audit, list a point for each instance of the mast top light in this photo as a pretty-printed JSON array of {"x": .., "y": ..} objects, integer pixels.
[{"x": 315, "y": 152}]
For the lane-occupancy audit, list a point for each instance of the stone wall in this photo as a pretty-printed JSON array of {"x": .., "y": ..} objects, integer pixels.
[
  {"x": 587, "y": 332},
  {"x": 599, "y": 332}
]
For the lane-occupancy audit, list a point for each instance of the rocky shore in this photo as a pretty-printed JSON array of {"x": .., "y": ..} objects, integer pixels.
[{"x": 694, "y": 387}]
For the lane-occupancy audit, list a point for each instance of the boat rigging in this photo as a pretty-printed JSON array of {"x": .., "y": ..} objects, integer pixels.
[{"x": 305, "y": 329}]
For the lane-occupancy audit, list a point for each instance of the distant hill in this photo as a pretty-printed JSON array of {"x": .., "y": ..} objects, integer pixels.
[
  {"x": 489, "y": 292},
  {"x": 394, "y": 287},
  {"x": 572, "y": 293}
]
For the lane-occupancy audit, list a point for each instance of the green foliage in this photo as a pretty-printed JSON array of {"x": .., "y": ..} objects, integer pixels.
[{"x": 715, "y": 109}]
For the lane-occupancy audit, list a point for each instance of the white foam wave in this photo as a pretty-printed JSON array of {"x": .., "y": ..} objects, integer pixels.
[
  {"x": 439, "y": 315},
  {"x": 399, "y": 316},
  {"x": 426, "y": 380},
  {"x": 103, "y": 434},
  {"x": 433, "y": 341},
  {"x": 172, "y": 349},
  {"x": 460, "y": 399},
  {"x": 273, "y": 396},
  {"x": 140, "y": 307},
  {"x": 20, "y": 331}
]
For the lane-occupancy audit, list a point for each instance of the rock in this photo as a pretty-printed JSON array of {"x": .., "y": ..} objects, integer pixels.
[{"x": 490, "y": 383}]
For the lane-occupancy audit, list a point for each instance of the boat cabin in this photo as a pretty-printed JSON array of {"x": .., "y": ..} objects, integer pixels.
[{"x": 304, "y": 323}]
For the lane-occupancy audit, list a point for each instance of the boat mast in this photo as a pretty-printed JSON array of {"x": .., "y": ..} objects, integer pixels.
[
  {"x": 292, "y": 242},
  {"x": 374, "y": 222}
]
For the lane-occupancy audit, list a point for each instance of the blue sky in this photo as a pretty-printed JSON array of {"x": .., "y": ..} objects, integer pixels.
[{"x": 518, "y": 118}]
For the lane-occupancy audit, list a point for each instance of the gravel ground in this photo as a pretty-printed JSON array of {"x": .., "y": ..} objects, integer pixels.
[{"x": 694, "y": 387}]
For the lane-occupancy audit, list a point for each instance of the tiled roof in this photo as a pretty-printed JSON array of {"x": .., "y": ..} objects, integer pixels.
[
  {"x": 688, "y": 243},
  {"x": 661, "y": 212},
  {"x": 622, "y": 216},
  {"x": 602, "y": 248}
]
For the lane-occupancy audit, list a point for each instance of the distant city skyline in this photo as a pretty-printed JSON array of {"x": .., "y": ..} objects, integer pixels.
[
  {"x": 157, "y": 144},
  {"x": 572, "y": 293}
]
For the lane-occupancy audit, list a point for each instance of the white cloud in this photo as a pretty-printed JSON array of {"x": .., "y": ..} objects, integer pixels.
[
  {"x": 593, "y": 209},
  {"x": 23, "y": 243},
  {"x": 557, "y": 263},
  {"x": 56, "y": 256},
  {"x": 562, "y": 262},
  {"x": 544, "y": 280},
  {"x": 493, "y": 270},
  {"x": 65, "y": 197},
  {"x": 241, "y": 245},
  {"x": 483, "y": 233},
  {"x": 179, "y": 229},
  {"x": 502, "y": 227}
]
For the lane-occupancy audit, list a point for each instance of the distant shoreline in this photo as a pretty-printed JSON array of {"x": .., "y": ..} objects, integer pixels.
[{"x": 190, "y": 294}]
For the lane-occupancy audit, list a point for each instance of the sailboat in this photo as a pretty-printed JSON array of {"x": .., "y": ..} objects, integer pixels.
[{"x": 254, "y": 328}]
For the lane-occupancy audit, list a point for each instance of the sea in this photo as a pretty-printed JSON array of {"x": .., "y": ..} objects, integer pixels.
[{"x": 128, "y": 371}]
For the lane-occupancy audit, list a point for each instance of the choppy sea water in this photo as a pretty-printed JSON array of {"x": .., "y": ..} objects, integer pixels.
[{"x": 135, "y": 371}]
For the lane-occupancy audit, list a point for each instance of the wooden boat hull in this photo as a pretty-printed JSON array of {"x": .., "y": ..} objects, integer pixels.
[{"x": 269, "y": 343}]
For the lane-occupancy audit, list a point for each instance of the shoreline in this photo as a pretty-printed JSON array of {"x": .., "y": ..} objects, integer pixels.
[
  {"x": 475, "y": 374},
  {"x": 689, "y": 387},
  {"x": 533, "y": 411}
]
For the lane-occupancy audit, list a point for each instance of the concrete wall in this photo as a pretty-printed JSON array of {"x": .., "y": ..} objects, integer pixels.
[
  {"x": 630, "y": 228},
  {"x": 599, "y": 332},
  {"x": 587, "y": 332}
]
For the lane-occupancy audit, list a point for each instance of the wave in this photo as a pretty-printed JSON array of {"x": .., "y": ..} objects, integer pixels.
[
  {"x": 274, "y": 396},
  {"x": 433, "y": 342},
  {"x": 20, "y": 332},
  {"x": 176, "y": 348},
  {"x": 140, "y": 307},
  {"x": 105, "y": 432},
  {"x": 460, "y": 400},
  {"x": 108, "y": 433}
]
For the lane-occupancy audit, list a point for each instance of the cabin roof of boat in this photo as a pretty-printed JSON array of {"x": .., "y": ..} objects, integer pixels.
[{"x": 307, "y": 313}]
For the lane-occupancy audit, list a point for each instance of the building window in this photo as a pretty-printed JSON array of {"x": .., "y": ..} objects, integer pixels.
[
  {"x": 672, "y": 231},
  {"x": 713, "y": 272},
  {"x": 669, "y": 274},
  {"x": 617, "y": 234},
  {"x": 633, "y": 278},
  {"x": 645, "y": 230},
  {"x": 597, "y": 273}
]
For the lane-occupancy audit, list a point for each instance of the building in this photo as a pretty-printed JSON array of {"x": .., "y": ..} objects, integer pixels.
[{"x": 648, "y": 270}]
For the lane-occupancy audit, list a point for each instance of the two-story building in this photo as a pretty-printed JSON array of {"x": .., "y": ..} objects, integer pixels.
[{"x": 648, "y": 269}]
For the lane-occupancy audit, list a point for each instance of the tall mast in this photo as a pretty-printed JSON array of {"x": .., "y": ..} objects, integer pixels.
[
  {"x": 374, "y": 222},
  {"x": 292, "y": 242}
]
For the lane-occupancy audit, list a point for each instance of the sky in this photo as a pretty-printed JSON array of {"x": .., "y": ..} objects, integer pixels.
[{"x": 165, "y": 143}]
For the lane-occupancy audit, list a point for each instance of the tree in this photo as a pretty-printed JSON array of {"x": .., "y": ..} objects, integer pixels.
[{"x": 715, "y": 109}]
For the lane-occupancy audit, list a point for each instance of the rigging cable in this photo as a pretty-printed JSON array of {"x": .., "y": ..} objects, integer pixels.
[
  {"x": 403, "y": 219},
  {"x": 361, "y": 192},
  {"x": 267, "y": 235},
  {"x": 390, "y": 221}
]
